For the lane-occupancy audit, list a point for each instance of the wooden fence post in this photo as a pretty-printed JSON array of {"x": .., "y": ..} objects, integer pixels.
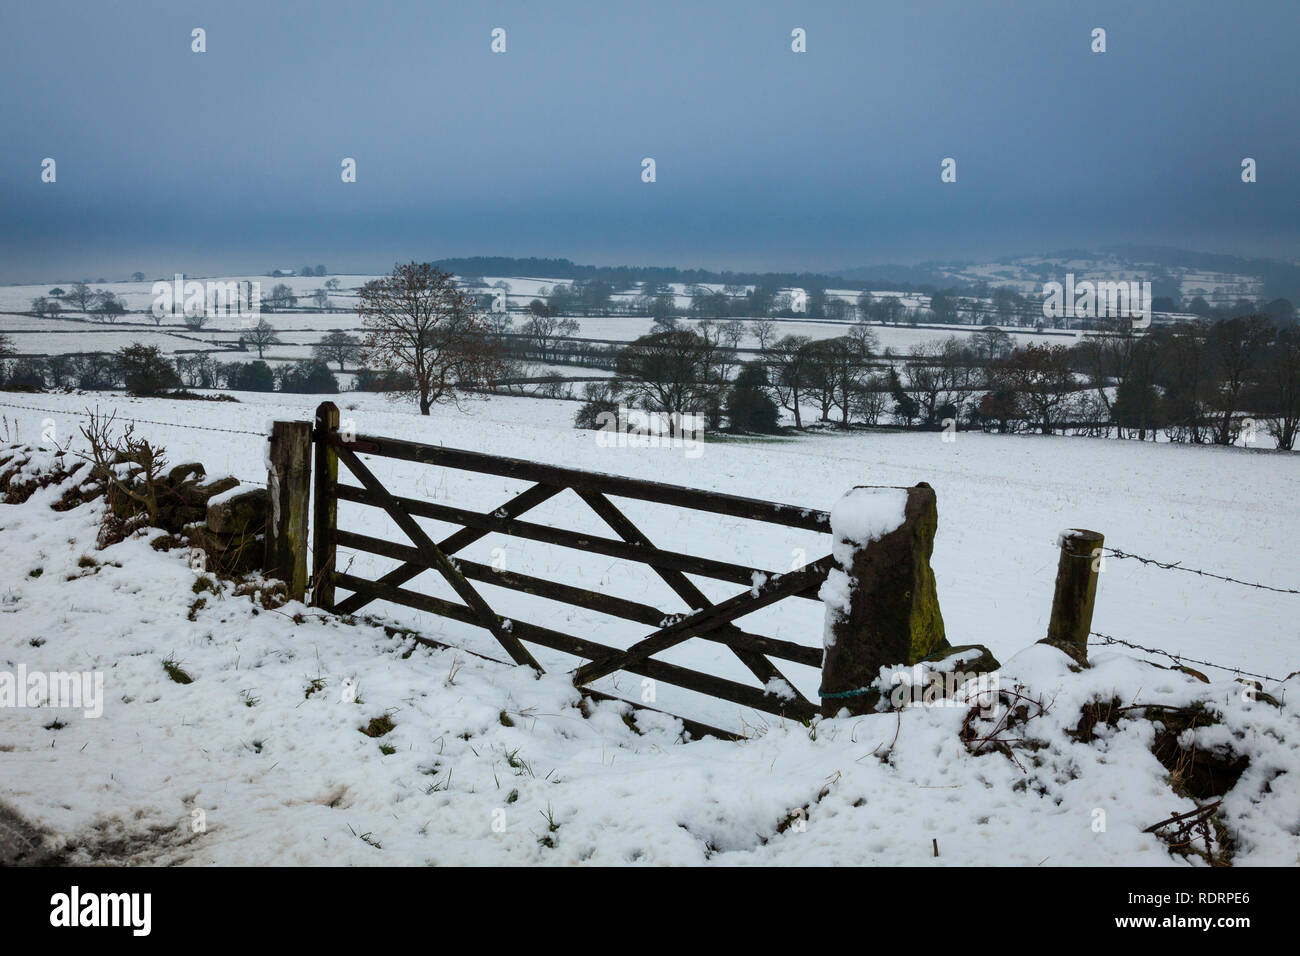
[
  {"x": 1076, "y": 592},
  {"x": 325, "y": 507},
  {"x": 288, "y": 485}
]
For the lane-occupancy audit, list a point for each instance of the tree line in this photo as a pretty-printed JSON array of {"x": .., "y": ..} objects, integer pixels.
[
  {"x": 145, "y": 370},
  {"x": 982, "y": 305},
  {"x": 1199, "y": 382}
]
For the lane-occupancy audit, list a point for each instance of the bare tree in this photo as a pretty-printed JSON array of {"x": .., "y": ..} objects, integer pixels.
[
  {"x": 864, "y": 339},
  {"x": 841, "y": 374},
  {"x": 672, "y": 372},
  {"x": 1281, "y": 388},
  {"x": 107, "y": 307},
  {"x": 47, "y": 307},
  {"x": 990, "y": 344},
  {"x": 791, "y": 375},
  {"x": 337, "y": 346},
  {"x": 720, "y": 339},
  {"x": 321, "y": 298},
  {"x": 545, "y": 330},
  {"x": 733, "y": 333},
  {"x": 866, "y": 306},
  {"x": 281, "y": 297},
  {"x": 872, "y": 398},
  {"x": 421, "y": 326},
  {"x": 195, "y": 317},
  {"x": 1041, "y": 383},
  {"x": 81, "y": 296},
  {"x": 1184, "y": 377},
  {"x": 765, "y": 331},
  {"x": 1236, "y": 347},
  {"x": 935, "y": 375},
  {"x": 261, "y": 336}
]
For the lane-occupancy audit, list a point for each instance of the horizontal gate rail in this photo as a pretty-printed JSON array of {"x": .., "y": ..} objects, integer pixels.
[
  {"x": 429, "y": 551},
  {"x": 681, "y": 629},
  {"x": 610, "y": 547},
  {"x": 744, "y": 694},
  {"x": 769, "y": 690},
  {"x": 457, "y": 541},
  {"x": 685, "y": 589},
  {"x": 792, "y": 516},
  {"x": 568, "y": 594}
]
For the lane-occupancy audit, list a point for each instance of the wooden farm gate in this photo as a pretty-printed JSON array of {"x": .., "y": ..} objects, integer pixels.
[{"x": 703, "y": 620}]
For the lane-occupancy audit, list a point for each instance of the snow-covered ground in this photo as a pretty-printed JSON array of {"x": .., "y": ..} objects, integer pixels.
[
  {"x": 298, "y": 330},
  {"x": 290, "y": 779},
  {"x": 1002, "y": 502}
]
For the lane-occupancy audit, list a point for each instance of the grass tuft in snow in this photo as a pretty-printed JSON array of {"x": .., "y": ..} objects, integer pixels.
[
  {"x": 176, "y": 672},
  {"x": 378, "y": 726},
  {"x": 518, "y": 764},
  {"x": 546, "y": 839}
]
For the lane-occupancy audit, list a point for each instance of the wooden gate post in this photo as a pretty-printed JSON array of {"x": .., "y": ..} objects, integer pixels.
[
  {"x": 1076, "y": 592},
  {"x": 288, "y": 485},
  {"x": 325, "y": 507}
]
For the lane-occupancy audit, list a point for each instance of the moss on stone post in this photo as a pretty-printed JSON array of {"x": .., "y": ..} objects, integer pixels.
[
  {"x": 288, "y": 486},
  {"x": 889, "y": 611}
]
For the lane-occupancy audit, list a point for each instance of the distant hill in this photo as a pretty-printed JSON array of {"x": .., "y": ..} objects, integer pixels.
[
  {"x": 1276, "y": 278},
  {"x": 626, "y": 275},
  {"x": 1271, "y": 279}
]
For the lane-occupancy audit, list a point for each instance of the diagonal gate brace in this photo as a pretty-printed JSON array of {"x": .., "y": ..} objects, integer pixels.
[{"x": 431, "y": 553}]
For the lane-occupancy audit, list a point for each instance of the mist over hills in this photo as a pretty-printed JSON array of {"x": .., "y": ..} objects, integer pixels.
[{"x": 1172, "y": 271}]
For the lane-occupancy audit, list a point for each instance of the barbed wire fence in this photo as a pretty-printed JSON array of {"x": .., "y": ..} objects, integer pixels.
[
  {"x": 1182, "y": 659},
  {"x": 188, "y": 426},
  {"x": 1178, "y": 566}
]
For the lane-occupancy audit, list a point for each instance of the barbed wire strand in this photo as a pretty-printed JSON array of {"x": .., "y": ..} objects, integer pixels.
[
  {"x": 144, "y": 421},
  {"x": 147, "y": 421},
  {"x": 1178, "y": 566},
  {"x": 1180, "y": 659}
]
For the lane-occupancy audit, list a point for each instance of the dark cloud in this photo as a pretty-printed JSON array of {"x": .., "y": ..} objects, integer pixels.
[{"x": 229, "y": 160}]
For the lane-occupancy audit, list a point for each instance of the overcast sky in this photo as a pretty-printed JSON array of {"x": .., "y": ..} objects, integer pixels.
[{"x": 229, "y": 160}]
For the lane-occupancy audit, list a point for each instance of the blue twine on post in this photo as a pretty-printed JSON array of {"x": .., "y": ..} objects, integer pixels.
[{"x": 832, "y": 695}]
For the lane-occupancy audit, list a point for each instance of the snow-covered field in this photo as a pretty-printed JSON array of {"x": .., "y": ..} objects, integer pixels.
[
  {"x": 1002, "y": 502},
  {"x": 290, "y": 779},
  {"x": 298, "y": 330}
]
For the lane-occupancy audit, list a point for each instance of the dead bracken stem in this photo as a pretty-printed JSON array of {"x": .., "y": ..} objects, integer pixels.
[
  {"x": 1018, "y": 709},
  {"x": 108, "y": 451}
]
